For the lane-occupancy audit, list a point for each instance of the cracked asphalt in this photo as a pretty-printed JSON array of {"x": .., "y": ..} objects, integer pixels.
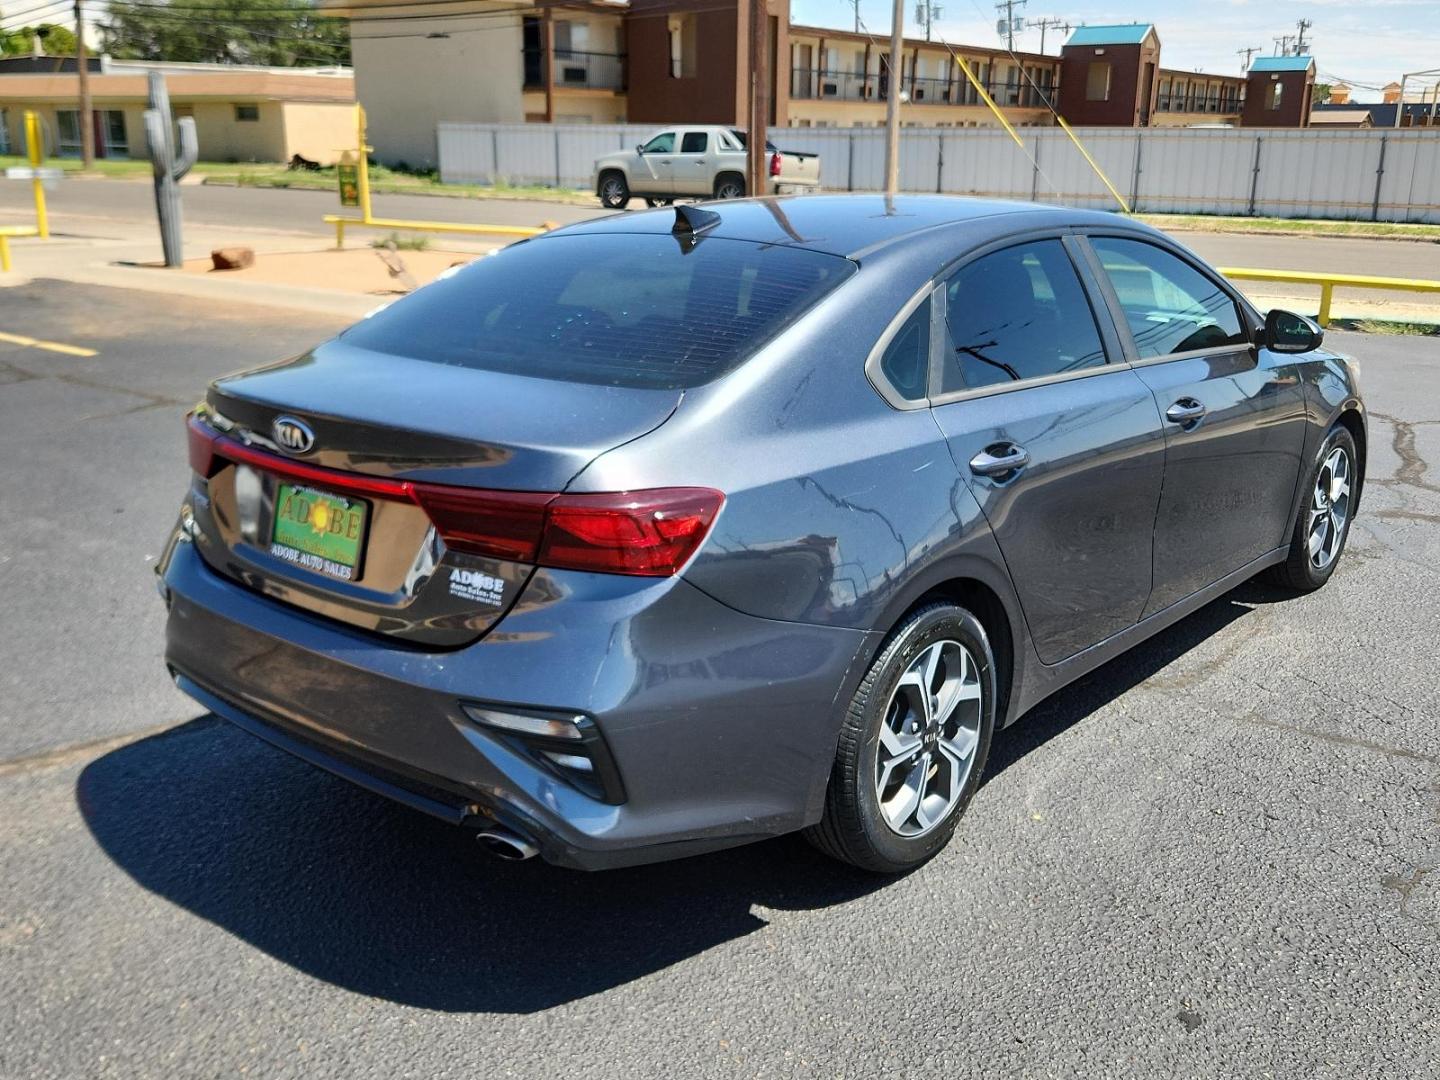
[{"x": 1214, "y": 857}]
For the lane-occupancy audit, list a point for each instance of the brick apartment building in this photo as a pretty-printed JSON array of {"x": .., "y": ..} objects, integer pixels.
[{"x": 663, "y": 61}]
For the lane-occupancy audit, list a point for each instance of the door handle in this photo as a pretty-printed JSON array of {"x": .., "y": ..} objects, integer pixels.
[
  {"x": 1186, "y": 411},
  {"x": 1010, "y": 458}
]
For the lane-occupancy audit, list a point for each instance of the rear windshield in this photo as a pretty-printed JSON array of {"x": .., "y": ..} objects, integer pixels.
[{"x": 617, "y": 309}]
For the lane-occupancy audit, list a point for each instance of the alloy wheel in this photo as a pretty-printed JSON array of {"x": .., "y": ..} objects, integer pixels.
[
  {"x": 612, "y": 192},
  {"x": 928, "y": 739},
  {"x": 1329, "y": 508}
]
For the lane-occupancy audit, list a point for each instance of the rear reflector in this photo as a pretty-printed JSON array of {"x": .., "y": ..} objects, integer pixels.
[{"x": 650, "y": 533}]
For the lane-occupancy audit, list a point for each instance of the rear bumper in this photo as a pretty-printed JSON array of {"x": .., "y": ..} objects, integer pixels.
[{"x": 722, "y": 725}]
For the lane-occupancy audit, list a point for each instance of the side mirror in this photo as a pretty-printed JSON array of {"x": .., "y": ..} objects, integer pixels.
[
  {"x": 640, "y": 148},
  {"x": 1286, "y": 332}
]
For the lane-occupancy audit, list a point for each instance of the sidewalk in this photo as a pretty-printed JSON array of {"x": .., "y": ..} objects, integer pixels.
[{"x": 126, "y": 255}]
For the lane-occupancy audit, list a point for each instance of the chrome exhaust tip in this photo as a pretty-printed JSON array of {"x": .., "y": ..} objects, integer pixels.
[{"x": 504, "y": 844}]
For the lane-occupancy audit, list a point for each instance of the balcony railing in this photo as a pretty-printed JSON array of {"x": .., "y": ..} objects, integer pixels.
[
  {"x": 1197, "y": 103},
  {"x": 576, "y": 70},
  {"x": 815, "y": 84}
]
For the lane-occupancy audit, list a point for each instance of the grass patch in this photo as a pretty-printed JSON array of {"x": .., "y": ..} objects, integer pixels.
[
  {"x": 402, "y": 243},
  {"x": 1292, "y": 226},
  {"x": 1390, "y": 327},
  {"x": 384, "y": 181}
]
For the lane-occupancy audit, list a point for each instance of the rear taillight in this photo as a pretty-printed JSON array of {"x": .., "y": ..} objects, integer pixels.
[
  {"x": 775, "y": 164},
  {"x": 503, "y": 524},
  {"x": 651, "y": 533}
]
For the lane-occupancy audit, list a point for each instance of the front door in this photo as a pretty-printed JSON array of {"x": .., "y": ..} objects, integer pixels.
[
  {"x": 1062, "y": 449},
  {"x": 694, "y": 165},
  {"x": 654, "y": 172},
  {"x": 1234, "y": 416}
]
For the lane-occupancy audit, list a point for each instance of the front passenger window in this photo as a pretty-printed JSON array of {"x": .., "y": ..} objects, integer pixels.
[
  {"x": 1020, "y": 313},
  {"x": 1169, "y": 305}
]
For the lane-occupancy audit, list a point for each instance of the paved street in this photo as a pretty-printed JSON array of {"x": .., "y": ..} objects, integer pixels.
[
  {"x": 88, "y": 206},
  {"x": 1213, "y": 857}
]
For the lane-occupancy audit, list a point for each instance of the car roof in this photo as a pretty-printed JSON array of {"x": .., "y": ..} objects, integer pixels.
[{"x": 847, "y": 225}]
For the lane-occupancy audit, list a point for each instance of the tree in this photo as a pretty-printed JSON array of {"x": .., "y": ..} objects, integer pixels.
[
  {"x": 1320, "y": 93},
  {"x": 54, "y": 40},
  {"x": 281, "y": 33}
]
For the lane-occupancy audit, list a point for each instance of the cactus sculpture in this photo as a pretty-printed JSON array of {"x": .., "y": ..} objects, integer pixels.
[{"x": 169, "y": 165}]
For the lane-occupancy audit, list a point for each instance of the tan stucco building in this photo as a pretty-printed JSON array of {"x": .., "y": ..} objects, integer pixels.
[{"x": 241, "y": 114}]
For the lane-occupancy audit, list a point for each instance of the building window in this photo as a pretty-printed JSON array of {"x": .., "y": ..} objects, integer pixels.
[
  {"x": 4, "y": 131},
  {"x": 247, "y": 112},
  {"x": 110, "y": 136},
  {"x": 683, "y": 52},
  {"x": 1274, "y": 93},
  {"x": 570, "y": 38},
  {"x": 1097, "y": 81}
]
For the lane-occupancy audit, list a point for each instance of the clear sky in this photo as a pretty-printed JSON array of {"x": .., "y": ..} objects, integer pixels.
[{"x": 1358, "y": 41}]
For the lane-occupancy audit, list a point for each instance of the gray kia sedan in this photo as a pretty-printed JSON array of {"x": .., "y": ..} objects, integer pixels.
[{"x": 675, "y": 530}]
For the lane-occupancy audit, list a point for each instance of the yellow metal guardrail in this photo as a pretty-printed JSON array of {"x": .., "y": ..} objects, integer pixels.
[
  {"x": 367, "y": 220},
  {"x": 1329, "y": 282},
  {"x": 7, "y": 231}
]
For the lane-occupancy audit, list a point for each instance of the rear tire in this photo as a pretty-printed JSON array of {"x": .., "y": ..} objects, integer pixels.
[
  {"x": 1326, "y": 510},
  {"x": 906, "y": 770},
  {"x": 652, "y": 203},
  {"x": 614, "y": 191},
  {"x": 729, "y": 186}
]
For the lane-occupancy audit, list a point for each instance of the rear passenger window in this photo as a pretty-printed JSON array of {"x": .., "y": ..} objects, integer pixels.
[
  {"x": 1020, "y": 313},
  {"x": 906, "y": 362},
  {"x": 1169, "y": 305},
  {"x": 694, "y": 142}
]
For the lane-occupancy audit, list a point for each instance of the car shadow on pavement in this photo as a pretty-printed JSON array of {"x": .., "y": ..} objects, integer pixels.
[{"x": 383, "y": 901}]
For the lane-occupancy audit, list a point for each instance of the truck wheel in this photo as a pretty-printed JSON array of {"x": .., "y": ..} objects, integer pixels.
[
  {"x": 730, "y": 186},
  {"x": 652, "y": 203},
  {"x": 614, "y": 191}
]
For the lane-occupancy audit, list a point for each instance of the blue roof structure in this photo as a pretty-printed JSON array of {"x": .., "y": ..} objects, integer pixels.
[
  {"x": 1123, "y": 34},
  {"x": 1282, "y": 63}
]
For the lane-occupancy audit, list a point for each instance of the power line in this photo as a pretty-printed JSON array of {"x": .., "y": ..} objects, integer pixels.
[{"x": 25, "y": 14}]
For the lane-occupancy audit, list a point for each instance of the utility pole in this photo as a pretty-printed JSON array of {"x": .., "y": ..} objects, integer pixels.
[
  {"x": 892, "y": 99},
  {"x": 856, "y": 5},
  {"x": 1008, "y": 7},
  {"x": 1300, "y": 42},
  {"x": 1247, "y": 53},
  {"x": 1282, "y": 44},
  {"x": 926, "y": 12},
  {"x": 87, "y": 118},
  {"x": 1045, "y": 24},
  {"x": 757, "y": 163}
]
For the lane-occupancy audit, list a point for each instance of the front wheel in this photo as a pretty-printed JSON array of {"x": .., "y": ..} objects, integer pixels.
[
  {"x": 614, "y": 191},
  {"x": 1324, "y": 520},
  {"x": 913, "y": 744}
]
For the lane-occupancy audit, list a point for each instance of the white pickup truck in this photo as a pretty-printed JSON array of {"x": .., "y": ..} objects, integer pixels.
[{"x": 694, "y": 163}]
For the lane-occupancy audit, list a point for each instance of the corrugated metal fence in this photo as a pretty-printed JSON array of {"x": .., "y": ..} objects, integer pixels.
[{"x": 1365, "y": 175}]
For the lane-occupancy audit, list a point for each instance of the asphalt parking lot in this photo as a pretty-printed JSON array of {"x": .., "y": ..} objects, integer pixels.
[{"x": 1215, "y": 856}]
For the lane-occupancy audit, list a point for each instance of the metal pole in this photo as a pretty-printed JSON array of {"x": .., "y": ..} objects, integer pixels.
[
  {"x": 36, "y": 151},
  {"x": 87, "y": 116},
  {"x": 1379, "y": 179},
  {"x": 364, "y": 168},
  {"x": 892, "y": 101},
  {"x": 1400, "y": 105}
]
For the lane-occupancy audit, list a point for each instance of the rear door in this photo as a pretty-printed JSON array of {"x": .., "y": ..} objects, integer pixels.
[
  {"x": 1234, "y": 415},
  {"x": 1062, "y": 449},
  {"x": 694, "y": 164},
  {"x": 655, "y": 166}
]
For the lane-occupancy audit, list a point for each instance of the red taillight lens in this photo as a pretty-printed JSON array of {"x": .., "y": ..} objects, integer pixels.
[
  {"x": 201, "y": 442},
  {"x": 775, "y": 164},
  {"x": 652, "y": 533},
  {"x": 503, "y": 524}
]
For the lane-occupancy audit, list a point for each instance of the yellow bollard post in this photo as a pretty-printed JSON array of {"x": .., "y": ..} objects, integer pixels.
[
  {"x": 37, "y": 156},
  {"x": 1327, "y": 290},
  {"x": 339, "y": 233},
  {"x": 4, "y": 253},
  {"x": 364, "y": 174}
]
